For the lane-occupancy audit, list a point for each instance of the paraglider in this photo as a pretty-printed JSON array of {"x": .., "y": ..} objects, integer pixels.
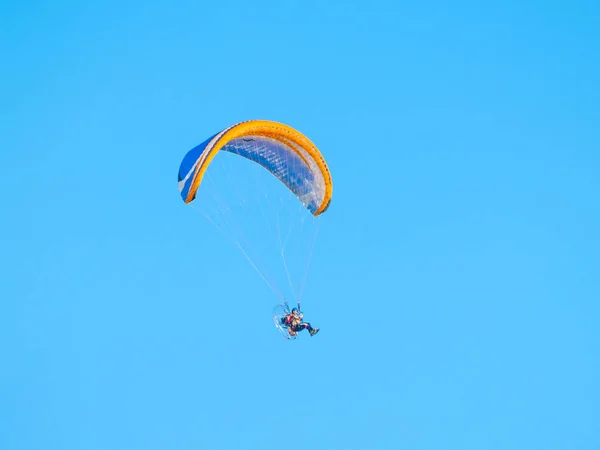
[
  {"x": 296, "y": 163},
  {"x": 290, "y": 323}
]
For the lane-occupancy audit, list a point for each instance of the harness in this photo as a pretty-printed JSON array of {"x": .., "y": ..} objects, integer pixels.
[{"x": 293, "y": 321}]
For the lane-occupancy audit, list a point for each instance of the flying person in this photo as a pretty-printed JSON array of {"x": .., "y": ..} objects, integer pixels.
[{"x": 293, "y": 322}]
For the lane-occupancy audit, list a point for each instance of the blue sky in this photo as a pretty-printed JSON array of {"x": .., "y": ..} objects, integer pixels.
[{"x": 455, "y": 278}]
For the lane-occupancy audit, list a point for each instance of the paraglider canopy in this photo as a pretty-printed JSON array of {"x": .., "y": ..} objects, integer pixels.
[{"x": 283, "y": 151}]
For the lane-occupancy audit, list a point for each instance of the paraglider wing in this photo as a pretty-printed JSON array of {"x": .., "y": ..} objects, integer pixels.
[{"x": 283, "y": 151}]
